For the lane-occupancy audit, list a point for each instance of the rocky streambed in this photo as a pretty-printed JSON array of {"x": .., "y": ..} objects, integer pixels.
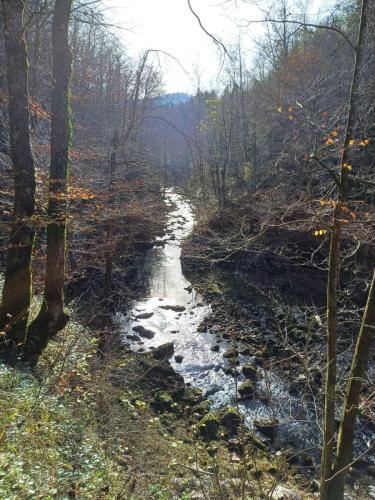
[{"x": 224, "y": 348}]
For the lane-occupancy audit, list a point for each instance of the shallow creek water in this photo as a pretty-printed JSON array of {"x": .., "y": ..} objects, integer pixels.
[{"x": 201, "y": 366}]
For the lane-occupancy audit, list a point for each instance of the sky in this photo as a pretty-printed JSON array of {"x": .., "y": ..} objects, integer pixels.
[{"x": 169, "y": 26}]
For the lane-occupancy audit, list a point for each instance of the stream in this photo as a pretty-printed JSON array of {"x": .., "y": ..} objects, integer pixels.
[{"x": 172, "y": 312}]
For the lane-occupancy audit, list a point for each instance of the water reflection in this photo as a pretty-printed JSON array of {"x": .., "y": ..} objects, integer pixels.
[{"x": 172, "y": 312}]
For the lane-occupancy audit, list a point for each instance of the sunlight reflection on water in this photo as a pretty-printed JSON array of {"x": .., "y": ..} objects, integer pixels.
[{"x": 201, "y": 366}]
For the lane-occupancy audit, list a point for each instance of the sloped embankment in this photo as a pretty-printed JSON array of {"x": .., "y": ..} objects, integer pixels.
[{"x": 266, "y": 288}]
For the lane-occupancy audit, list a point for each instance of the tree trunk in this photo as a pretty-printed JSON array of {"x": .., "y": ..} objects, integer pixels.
[
  {"x": 330, "y": 386},
  {"x": 351, "y": 409},
  {"x": 334, "y": 264},
  {"x": 110, "y": 228},
  {"x": 52, "y": 317},
  {"x": 16, "y": 294}
]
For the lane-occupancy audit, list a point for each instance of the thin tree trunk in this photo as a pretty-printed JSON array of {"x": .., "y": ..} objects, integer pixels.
[
  {"x": 110, "y": 229},
  {"x": 353, "y": 391},
  {"x": 16, "y": 294},
  {"x": 334, "y": 264},
  {"x": 330, "y": 386},
  {"x": 52, "y": 316}
]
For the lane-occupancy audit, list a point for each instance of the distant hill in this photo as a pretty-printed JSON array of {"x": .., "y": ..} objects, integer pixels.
[{"x": 173, "y": 99}]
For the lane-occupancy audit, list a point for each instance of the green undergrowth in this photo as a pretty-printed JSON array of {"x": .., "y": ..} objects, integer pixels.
[
  {"x": 49, "y": 444},
  {"x": 67, "y": 431}
]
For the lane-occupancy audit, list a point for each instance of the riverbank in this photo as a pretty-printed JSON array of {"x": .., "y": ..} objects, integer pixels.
[
  {"x": 160, "y": 417},
  {"x": 125, "y": 426},
  {"x": 122, "y": 422},
  {"x": 115, "y": 422},
  {"x": 282, "y": 330}
]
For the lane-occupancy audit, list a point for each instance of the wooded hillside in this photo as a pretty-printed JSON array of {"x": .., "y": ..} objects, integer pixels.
[{"x": 188, "y": 283}]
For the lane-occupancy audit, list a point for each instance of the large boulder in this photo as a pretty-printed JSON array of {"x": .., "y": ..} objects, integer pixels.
[
  {"x": 164, "y": 351},
  {"x": 230, "y": 419},
  {"x": 267, "y": 427},
  {"x": 250, "y": 371},
  {"x": 247, "y": 389},
  {"x": 144, "y": 332},
  {"x": 209, "y": 425},
  {"x": 283, "y": 493}
]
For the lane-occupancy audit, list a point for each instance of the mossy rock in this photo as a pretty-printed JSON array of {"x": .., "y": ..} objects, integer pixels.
[
  {"x": 230, "y": 419},
  {"x": 234, "y": 362},
  {"x": 235, "y": 446},
  {"x": 255, "y": 441},
  {"x": 193, "y": 395},
  {"x": 246, "y": 351},
  {"x": 163, "y": 401},
  {"x": 247, "y": 389},
  {"x": 228, "y": 370},
  {"x": 230, "y": 354},
  {"x": 250, "y": 371},
  {"x": 268, "y": 427},
  {"x": 209, "y": 426},
  {"x": 202, "y": 408},
  {"x": 161, "y": 375}
]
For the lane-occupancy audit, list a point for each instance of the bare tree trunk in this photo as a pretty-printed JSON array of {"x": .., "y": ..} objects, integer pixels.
[
  {"x": 16, "y": 295},
  {"x": 125, "y": 140},
  {"x": 330, "y": 386},
  {"x": 351, "y": 410},
  {"x": 334, "y": 263},
  {"x": 110, "y": 230},
  {"x": 52, "y": 316},
  {"x": 40, "y": 21}
]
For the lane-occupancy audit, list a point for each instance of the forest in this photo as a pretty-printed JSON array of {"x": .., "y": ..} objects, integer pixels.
[{"x": 187, "y": 305}]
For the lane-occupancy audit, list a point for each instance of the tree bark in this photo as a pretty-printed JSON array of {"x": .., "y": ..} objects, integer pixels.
[
  {"x": 16, "y": 296},
  {"x": 52, "y": 317},
  {"x": 351, "y": 404},
  {"x": 334, "y": 264},
  {"x": 110, "y": 229},
  {"x": 330, "y": 385}
]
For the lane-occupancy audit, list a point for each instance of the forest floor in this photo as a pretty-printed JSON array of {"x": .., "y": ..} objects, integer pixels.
[{"x": 122, "y": 425}]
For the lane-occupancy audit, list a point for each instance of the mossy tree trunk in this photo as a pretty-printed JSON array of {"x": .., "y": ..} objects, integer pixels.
[
  {"x": 52, "y": 317},
  {"x": 328, "y": 450},
  {"x": 16, "y": 294}
]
